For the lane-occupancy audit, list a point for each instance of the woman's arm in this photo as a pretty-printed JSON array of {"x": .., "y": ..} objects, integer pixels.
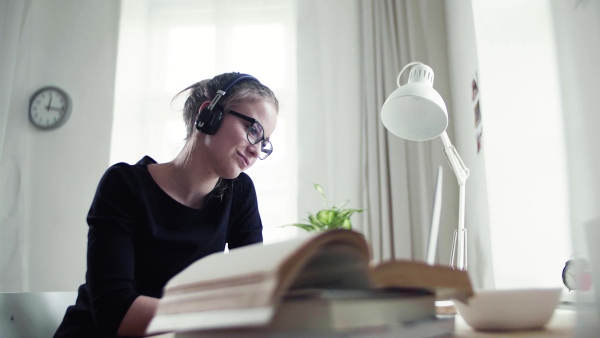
[
  {"x": 138, "y": 316},
  {"x": 245, "y": 223},
  {"x": 110, "y": 276}
]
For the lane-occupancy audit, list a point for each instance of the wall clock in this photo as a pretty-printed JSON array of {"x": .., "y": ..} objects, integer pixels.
[
  {"x": 49, "y": 107},
  {"x": 577, "y": 275}
]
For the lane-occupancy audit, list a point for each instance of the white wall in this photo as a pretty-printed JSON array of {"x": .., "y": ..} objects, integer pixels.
[
  {"x": 464, "y": 68},
  {"x": 509, "y": 48},
  {"x": 512, "y": 53},
  {"x": 524, "y": 142},
  {"x": 49, "y": 177},
  {"x": 577, "y": 31}
]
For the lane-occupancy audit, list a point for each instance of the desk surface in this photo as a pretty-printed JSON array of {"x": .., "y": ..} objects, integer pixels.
[{"x": 561, "y": 325}]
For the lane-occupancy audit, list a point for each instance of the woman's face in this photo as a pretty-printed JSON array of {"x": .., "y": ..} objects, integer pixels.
[{"x": 230, "y": 151}]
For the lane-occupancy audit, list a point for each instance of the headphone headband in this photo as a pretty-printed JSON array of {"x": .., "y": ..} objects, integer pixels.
[
  {"x": 223, "y": 91},
  {"x": 209, "y": 119}
]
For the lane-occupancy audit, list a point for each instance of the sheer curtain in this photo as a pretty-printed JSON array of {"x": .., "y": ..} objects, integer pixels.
[
  {"x": 12, "y": 18},
  {"x": 329, "y": 96},
  {"x": 167, "y": 45},
  {"x": 13, "y": 249},
  {"x": 347, "y": 68},
  {"x": 398, "y": 175}
]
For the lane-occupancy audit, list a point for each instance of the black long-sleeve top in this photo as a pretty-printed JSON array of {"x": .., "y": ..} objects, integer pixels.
[{"x": 139, "y": 237}]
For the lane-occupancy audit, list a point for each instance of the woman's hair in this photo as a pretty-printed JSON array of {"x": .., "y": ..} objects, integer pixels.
[{"x": 206, "y": 90}]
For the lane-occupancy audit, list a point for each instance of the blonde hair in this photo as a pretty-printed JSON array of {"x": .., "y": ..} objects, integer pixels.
[{"x": 206, "y": 90}]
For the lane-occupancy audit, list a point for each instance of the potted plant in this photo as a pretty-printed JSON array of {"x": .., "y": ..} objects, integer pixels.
[{"x": 329, "y": 218}]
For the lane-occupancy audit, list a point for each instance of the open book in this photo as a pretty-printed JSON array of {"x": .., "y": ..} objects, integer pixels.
[{"x": 244, "y": 287}]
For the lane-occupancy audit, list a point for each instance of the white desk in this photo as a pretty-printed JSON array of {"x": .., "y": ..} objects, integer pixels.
[{"x": 561, "y": 325}]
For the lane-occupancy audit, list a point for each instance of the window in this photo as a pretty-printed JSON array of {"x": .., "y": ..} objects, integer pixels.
[{"x": 167, "y": 45}]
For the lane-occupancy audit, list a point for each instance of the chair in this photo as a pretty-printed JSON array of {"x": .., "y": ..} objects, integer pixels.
[{"x": 33, "y": 314}]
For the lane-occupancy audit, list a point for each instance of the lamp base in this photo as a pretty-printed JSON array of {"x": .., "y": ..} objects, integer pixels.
[{"x": 460, "y": 245}]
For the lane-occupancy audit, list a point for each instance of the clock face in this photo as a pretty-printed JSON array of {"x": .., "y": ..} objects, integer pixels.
[
  {"x": 577, "y": 275},
  {"x": 49, "y": 108}
]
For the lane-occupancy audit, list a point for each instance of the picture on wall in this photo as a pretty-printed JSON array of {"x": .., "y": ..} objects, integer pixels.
[{"x": 477, "y": 112}]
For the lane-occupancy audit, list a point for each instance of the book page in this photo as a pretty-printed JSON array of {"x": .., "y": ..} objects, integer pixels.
[
  {"x": 337, "y": 266},
  {"x": 445, "y": 281},
  {"x": 257, "y": 259},
  {"x": 253, "y": 263}
]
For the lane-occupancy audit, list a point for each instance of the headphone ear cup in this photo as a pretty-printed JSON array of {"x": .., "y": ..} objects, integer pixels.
[{"x": 209, "y": 121}]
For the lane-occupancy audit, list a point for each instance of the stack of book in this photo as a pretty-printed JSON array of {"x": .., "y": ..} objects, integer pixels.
[{"x": 318, "y": 285}]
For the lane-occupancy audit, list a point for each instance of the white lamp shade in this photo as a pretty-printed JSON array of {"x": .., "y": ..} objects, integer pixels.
[{"x": 415, "y": 111}]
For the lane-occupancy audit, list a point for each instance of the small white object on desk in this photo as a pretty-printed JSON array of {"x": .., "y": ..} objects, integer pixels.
[
  {"x": 561, "y": 325},
  {"x": 500, "y": 310}
]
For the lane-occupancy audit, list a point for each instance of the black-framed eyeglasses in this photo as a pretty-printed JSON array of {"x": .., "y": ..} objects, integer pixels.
[{"x": 256, "y": 134}]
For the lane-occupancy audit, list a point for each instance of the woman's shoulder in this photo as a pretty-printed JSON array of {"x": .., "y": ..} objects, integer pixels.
[
  {"x": 242, "y": 189},
  {"x": 242, "y": 183},
  {"x": 122, "y": 171},
  {"x": 243, "y": 177},
  {"x": 124, "y": 166}
]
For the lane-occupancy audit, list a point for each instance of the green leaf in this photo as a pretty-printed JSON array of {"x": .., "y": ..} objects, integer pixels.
[
  {"x": 319, "y": 188},
  {"x": 348, "y": 212},
  {"x": 342, "y": 205},
  {"x": 307, "y": 227},
  {"x": 327, "y": 219},
  {"x": 315, "y": 221},
  {"x": 326, "y": 216},
  {"x": 347, "y": 224}
]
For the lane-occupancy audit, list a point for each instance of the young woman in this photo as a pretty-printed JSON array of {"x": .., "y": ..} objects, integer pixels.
[{"x": 149, "y": 221}]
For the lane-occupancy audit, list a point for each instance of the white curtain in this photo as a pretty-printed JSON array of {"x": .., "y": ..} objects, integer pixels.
[
  {"x": 329, "y": 101},
  {"x": 11, "y": 20},
  {"x": 349, "y": 55},
  {"x": 13, "y": 253},
  {"x": 399, "y": 175}
]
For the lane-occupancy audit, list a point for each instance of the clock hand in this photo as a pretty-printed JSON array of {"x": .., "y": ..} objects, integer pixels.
[
  {"x": 56, "y": 109},
  {"x": 49, "y": 103}
]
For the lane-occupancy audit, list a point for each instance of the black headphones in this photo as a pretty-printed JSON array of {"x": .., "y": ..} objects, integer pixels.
[{"x": 210, "y": 118}]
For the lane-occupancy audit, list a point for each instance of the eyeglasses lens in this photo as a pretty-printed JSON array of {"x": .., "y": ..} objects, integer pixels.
[
  {"x": 265, "y": 150},
  {"x": 256, "y": 134}
]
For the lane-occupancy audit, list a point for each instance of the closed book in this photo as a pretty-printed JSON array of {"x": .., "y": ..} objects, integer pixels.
[
  {"x": 346, "y": 310},
  {"x": 438, "y": 327}
]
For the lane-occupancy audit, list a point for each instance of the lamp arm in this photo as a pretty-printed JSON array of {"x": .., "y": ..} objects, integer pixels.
[
  {"x": 462, "y": 173},
  {"x": 460, "y": 170}
]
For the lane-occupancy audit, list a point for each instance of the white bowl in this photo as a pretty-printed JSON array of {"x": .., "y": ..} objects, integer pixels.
[{"x": 520, "y": 309}]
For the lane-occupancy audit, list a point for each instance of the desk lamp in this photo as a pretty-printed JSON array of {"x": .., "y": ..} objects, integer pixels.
[{"x": 415, "y": 111}]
